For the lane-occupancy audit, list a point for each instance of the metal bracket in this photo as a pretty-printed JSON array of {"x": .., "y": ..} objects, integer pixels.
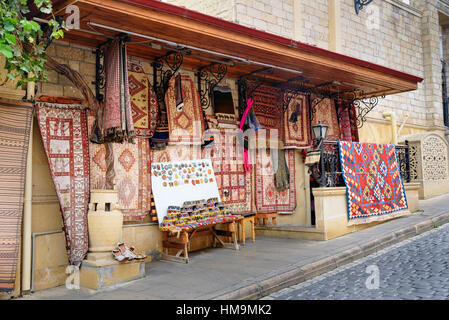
[
  {"x": 359, "y": 4},
  {"x": 100, "y": 76},
  {"x": 210, "y": 75},
  {"x": 161, "y": 78},
  {"x": 363, "y": 105}
]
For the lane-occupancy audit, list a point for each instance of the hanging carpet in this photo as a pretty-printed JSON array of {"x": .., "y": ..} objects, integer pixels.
[
  {"x": 296, "y": 129},
  {"x": 268, "y": 198},
  {"x": 15, "y": 124},
  {"x": 233, "y": 183},
  {"x": 345, "y": 122},
  {"x": 118, "y": 124},
  {"x": 268, "y": 110},
  {"x": 176, "y": 153},
  {"x": 185, "y": 120},
  {"x": 132, "y": 175},
  {"x": 64, "y": 132},
  {"x": 144, "y": 104},
  {"x": 374, "y": 187},
  {"x": 326, "y": 112}
]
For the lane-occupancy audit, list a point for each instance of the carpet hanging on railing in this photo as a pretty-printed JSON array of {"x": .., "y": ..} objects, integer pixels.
[
  {"x": 374, "y": 187},
  {"x": 15, "y": 122},
  {"x": 64, "y": 135}
]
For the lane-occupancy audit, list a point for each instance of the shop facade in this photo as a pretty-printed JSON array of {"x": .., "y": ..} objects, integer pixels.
[{"x": 191, "y": 45}]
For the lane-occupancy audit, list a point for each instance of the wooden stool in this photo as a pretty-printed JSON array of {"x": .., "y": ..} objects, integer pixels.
[
  {"x": 250, "y": 217},
  {"x": 265, "y": 217}
]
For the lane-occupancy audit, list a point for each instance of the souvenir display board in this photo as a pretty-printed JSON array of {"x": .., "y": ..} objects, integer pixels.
[{"x": 174, "y": 183}]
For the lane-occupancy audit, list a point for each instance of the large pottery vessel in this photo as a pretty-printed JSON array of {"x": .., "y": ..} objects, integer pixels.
[{"x": 105, "y": 220}]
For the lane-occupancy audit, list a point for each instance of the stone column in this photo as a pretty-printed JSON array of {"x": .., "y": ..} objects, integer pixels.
[
  {"x": 432, "y": 62},
  {"x": 297, "y": 20},
  {"x": 335, "y": 26}
]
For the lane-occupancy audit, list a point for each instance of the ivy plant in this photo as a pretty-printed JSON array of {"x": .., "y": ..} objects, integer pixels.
[{"x": 23, "y": 41}]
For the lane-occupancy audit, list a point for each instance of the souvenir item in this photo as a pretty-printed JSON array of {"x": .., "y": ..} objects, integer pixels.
[
  {"x": 144, "y": 103},
  {"x": 64, "y": 135},
  {"x": 375, "y": 190},
  {"x": 15, "y": 125},
  {"x": 268, "y": 198},
  {"x": 296, "y": 128}
]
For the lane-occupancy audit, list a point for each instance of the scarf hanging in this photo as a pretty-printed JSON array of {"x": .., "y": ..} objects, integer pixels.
[
  {"x": 281, "y": 176},
  {"x": 118, "y": 125}
]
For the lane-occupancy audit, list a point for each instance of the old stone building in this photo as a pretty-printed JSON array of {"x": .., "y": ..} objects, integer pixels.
[{"x": 406, "y": 35}]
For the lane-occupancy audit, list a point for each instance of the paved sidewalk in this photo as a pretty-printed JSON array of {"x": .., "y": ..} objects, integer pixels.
[{"x": 264, "y": 267}]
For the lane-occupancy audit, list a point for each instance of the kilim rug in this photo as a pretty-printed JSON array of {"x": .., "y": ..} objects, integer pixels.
[
  {"x": 327, "y": 114},
  {"x": 374, "y": 187},
  {"x": 176, "y": 153},
  {"x": 353, "y": 121},
  {"x": 186, "y": 124},
  {"x": 233, "y": 183},
  {"x": 64, "y": 132},
  {"x": 268, "y": 198},
  {"x": 345, "y": 123},
  {"x": 296, "y": 133},
  {"x": 267, "y": 107},
  {"x": 15, "y": 123},
  {"x": 143, "y": 101},
  {"x": 132, "y": 175}
]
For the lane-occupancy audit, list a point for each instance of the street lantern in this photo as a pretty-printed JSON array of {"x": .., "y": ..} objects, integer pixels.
[{"x": 319, "y": 131}]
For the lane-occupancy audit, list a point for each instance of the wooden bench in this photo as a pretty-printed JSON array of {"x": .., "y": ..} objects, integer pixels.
[
  {"x": 247, "y": 217},
  {"x": 265, "y": 217},
  {"x": 181, "y": 240}
]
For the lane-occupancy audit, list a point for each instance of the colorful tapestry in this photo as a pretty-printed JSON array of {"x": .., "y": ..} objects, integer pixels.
[
  {"x": 176, "y": 153},
  {"x": 267, "y": 107},
  {"x": 186, "y": 124},
  {"x": 64, "y": 136},
  {"x": 132, "y": 175},
  {"x": 268, "y": 198},
  {"x": 374, "y": 185},
  {"x": 295, "y": 128},
  {"x": 144, "y": 104},
  {"x": 326, "y": 112},
  {"x": 345, "y": 122},
  {"x": 15, "y": 124},
  {"x": 118, "y": 125},
  {"x": 233, "y": 183},
  {"x": 205, "y": 223},
  {"x": 354, "y": 124}
]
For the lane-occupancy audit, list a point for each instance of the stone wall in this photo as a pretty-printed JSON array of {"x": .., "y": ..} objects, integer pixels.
[{"x": 402, "y": 35}]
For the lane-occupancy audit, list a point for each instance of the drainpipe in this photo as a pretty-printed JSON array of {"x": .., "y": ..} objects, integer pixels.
[
  {"x": 26, "y": 236},
  {"x": 394, "y": 134}
]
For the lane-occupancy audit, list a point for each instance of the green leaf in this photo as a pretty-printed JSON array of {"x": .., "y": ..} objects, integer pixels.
[
  {"x": 11, "y": 39},
  {"x": 6, "y": 50}
]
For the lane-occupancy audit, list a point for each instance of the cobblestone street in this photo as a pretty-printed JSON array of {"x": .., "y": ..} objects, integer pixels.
[{"x": 415, "y": 269}]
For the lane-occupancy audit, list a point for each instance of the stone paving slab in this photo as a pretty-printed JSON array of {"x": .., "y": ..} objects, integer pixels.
[{"x": 263, "y": 267}]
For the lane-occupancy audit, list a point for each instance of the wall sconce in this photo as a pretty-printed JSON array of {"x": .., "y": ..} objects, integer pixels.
[{"x": 359, "y": 4}]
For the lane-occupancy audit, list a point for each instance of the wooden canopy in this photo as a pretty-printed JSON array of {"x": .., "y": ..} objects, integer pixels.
[{"x": 246, "y": 49}]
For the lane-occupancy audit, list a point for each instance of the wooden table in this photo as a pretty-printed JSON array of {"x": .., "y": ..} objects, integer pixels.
[{"x": 182, "y": 240}]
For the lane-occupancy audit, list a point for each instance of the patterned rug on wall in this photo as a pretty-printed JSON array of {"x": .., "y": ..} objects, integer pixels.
[
  {"x": 176, "y": 153},
  {"x": 268, "y": 198},
  {"x": 233, "y": 183},
  {"x": 144, "y": 104},
  {"x": 132, "y": 175},
  {"x": 296, "y": 129},
  {"x": 15, "y": 124},
  {"x": 327, "y": 114},
  {"x": 63, "y": 130},
  {"x": 267, "y": 107},
  {"x": 185, "y": 121},
  {"x": 374, "y": 187}
]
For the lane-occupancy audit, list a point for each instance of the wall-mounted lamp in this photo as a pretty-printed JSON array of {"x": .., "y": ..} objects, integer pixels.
[{"x": 359, "y": 4}]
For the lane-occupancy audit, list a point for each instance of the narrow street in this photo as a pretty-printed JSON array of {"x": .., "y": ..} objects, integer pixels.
[{"x": 415, "y": 269}]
